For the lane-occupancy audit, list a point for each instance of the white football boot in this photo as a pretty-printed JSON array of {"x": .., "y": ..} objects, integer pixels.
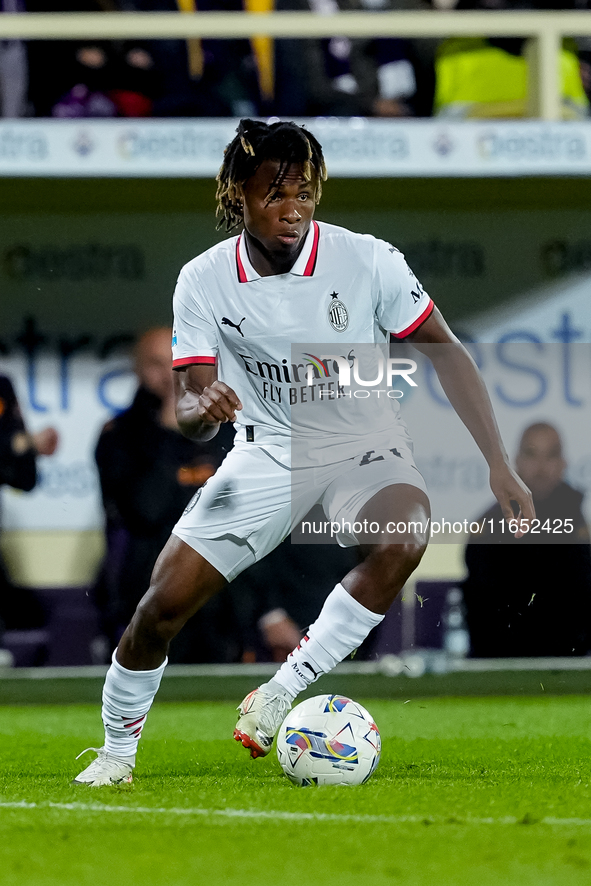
[
  {"x": 261, "y": 715},
  {"x": 106, "y": 770}
]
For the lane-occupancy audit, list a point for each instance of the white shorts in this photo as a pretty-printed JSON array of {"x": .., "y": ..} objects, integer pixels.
[{"x": 254, "y": 500}]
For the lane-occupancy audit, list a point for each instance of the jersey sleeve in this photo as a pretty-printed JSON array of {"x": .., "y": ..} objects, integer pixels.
[
  {"x": 194, "y": 337},
  {"x": 402, "y": 303}
]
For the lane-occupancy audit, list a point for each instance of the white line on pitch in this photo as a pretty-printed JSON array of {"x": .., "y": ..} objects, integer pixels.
[{"x": 253, "y": 814}]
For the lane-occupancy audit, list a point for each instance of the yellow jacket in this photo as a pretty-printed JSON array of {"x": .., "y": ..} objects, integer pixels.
[{"x": 476, "y": 80}]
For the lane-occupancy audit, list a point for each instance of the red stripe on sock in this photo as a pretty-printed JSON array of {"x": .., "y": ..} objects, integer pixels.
[{"x": 135, "y": 722}]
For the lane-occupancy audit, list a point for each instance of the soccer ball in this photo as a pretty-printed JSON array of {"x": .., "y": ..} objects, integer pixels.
[{"x": 328, "y": 739}]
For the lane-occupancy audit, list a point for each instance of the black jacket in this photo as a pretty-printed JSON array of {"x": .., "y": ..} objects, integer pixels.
[
  {"x": 15, "y": 470},
  {"x": 531, "y": 596},
  {"x": 19, "y": 608}
]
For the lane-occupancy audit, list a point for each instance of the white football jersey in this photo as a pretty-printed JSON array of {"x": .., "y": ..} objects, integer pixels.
[{"x": 344, "y": 288}]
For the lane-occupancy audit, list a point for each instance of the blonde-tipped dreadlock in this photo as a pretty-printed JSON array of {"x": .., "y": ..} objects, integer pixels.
[{"x": 256, "y": 142}]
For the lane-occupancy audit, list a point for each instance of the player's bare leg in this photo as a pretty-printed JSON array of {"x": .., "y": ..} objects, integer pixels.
[
  {"x": 389, "y": 558},
  {"x": 182, "y": 582},
  {"x": 351, "y": 610}
]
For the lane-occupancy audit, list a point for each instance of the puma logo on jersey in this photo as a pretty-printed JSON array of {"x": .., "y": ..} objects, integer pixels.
[
  {"x": 226, "y": 322},
  {"x": 309, "y": 666}
]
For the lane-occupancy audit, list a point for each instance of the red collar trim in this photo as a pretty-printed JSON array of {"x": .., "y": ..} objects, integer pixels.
[
  {"x": 242, "y": 277},
  {"x": 311, "y": 263}
]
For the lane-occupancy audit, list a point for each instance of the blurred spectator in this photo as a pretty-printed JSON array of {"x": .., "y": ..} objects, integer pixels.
[
  {"x": 532, "y": 596},
  {"x": 70, "y": 78},
  {"x": 488, "y": 77},
  {"x": 277, "y": 598},
  {"x": 381, "y": 77},
  {"x": 13, "y": 69},
  {"x": 148, "y": 473},
  {"x": 584, "y": 45},
  {"x": 397, "y": 75},
  {"x": 19, "y": 608},
  {"x": 206, "y": 78}
]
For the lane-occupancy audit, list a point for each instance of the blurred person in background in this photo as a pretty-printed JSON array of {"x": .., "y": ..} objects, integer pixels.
[
  {"x": 149, "y": 472},
  {"x": 19, "y": 607},
  {"x": 532, "y": 596},
  {"x": 584, "y": 45},
  {"x": 88, "y": 78},
  {"x": 379, "y": 77},
  {"x": 279, "y": 597},
  {"x": 487, "y": 77},
  {"x": 14, "y": 75},
  {"x": 207, "y": 78}
]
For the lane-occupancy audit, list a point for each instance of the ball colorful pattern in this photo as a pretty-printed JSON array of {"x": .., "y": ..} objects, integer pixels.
[{"x": 328, "y": 739}]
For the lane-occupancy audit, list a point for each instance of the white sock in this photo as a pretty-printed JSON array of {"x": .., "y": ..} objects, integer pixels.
[
  {"x": 342, "y": 626},
  {"x": 127, "y": 698}
]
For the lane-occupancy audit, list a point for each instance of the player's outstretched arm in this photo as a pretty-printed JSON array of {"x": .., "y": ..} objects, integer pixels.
[
  {"x": 462, "y": 382},
  {"x": 203, "y": 402}
]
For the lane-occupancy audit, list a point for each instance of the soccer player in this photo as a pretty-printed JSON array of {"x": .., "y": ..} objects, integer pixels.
[{"x": 238, "y": 309}]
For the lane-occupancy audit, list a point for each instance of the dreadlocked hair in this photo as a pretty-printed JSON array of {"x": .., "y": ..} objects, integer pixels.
[{"x": 254, "y": 143}]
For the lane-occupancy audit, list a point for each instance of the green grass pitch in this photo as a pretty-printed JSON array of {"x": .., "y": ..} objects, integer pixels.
[{"x": 469, "y": 792}]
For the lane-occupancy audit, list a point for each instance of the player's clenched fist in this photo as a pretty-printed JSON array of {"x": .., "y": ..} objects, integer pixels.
[
  {"x": 203, "y": 402},
  {"x": 218, "y": 403}
]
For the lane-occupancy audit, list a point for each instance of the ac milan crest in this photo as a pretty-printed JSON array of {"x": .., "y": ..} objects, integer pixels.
[{"x": 337, "y": 314}]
